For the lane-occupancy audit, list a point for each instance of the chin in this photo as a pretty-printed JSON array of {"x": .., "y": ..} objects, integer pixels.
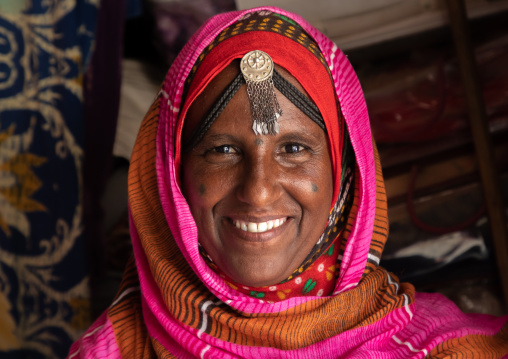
[{"x": 253, "y": 276}]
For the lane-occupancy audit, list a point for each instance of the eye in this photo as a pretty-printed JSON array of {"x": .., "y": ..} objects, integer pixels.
[
  {"x": 222, "y": 154},
  {"x": 225, "y": 149},
  {"x": 293, "y": 148}
]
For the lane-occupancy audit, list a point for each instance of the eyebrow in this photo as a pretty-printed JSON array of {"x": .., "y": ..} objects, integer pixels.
[
  {"x": 219, "y": 137},
  {"x": 298, "y": 136}
]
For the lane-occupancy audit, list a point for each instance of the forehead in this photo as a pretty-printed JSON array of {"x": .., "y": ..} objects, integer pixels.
[{"x": 239, "y": 106}]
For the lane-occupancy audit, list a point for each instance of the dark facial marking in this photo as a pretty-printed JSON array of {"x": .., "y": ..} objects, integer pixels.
[
  {"x": 314, "y": 187},
  {"x": 202, "y": 189},
  {"x": 259, "y": 142}
]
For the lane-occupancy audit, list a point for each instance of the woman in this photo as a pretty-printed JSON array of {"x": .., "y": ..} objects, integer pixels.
[{"x": 258, "y": 214}]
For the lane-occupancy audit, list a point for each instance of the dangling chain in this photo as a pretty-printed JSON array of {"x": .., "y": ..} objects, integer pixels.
[{"x": 257, "y": 70}]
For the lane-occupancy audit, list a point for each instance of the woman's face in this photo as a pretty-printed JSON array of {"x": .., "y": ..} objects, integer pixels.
[{"x": 260, "y": 202}]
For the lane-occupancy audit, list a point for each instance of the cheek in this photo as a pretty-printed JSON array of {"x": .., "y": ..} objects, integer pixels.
[
  {"x": 198, "y": 197},
  {"x": 195, "y": 187},
  {"x": 201, "y": 188},
  {"x": 319, "y": 187},
  {"x": 314, "y": 194},
  {"x": 314, "y": 181}
]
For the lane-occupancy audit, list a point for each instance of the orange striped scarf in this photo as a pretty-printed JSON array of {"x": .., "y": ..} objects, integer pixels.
[
  {"x": 374, "y": 298},
  {"x": 171, "y": 304}
]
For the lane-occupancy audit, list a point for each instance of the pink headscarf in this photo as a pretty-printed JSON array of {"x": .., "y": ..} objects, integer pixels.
[{"x": 379, "y": 317}]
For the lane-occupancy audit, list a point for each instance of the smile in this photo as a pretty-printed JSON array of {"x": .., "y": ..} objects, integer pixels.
[{"x": 261, "y": 227}]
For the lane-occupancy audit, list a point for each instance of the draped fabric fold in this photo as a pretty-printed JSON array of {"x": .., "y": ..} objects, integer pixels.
[{"x": 172, "y": 303}]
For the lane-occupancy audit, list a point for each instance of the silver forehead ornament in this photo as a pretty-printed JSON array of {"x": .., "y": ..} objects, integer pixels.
[{"x": 257, "y": 70}]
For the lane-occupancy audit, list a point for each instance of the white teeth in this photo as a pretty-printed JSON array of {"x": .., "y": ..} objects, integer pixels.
[{"x": 254, "y": 227}]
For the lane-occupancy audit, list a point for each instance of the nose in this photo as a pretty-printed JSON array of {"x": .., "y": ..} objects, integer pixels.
[{"x": 260, "y": 182}]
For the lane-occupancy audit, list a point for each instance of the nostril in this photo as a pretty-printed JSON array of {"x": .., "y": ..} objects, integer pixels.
[{"x": 258, "y": 187}]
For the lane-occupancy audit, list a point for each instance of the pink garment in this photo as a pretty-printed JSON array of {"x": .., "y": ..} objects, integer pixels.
[{"x": 412, "y": 330}]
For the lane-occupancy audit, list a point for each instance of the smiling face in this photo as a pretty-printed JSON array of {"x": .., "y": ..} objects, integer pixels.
[{"x": 260, "y": 202}]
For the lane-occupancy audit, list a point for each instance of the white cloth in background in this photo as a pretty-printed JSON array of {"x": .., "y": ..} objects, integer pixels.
[{"x": 140, "y": 85}]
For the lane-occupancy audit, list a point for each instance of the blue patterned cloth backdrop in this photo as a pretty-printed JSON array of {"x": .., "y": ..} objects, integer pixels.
[{"x": 44, "y": 295}]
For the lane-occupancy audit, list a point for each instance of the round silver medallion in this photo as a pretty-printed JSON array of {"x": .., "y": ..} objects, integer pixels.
[{"x": 257, "y": 66}]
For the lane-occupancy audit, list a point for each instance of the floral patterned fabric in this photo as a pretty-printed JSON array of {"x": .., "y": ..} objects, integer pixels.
[{"x": 44, "y": 297}]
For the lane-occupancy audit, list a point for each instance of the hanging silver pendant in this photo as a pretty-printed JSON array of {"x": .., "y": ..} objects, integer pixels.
[{"x": 257, "y": 70}]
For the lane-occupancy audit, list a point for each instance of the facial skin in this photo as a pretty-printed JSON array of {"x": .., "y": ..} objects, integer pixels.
[{"x": 233, "y": 177}]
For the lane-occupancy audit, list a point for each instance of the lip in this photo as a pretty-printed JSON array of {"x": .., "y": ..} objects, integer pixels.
[{"x": 229, "y": 224}]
